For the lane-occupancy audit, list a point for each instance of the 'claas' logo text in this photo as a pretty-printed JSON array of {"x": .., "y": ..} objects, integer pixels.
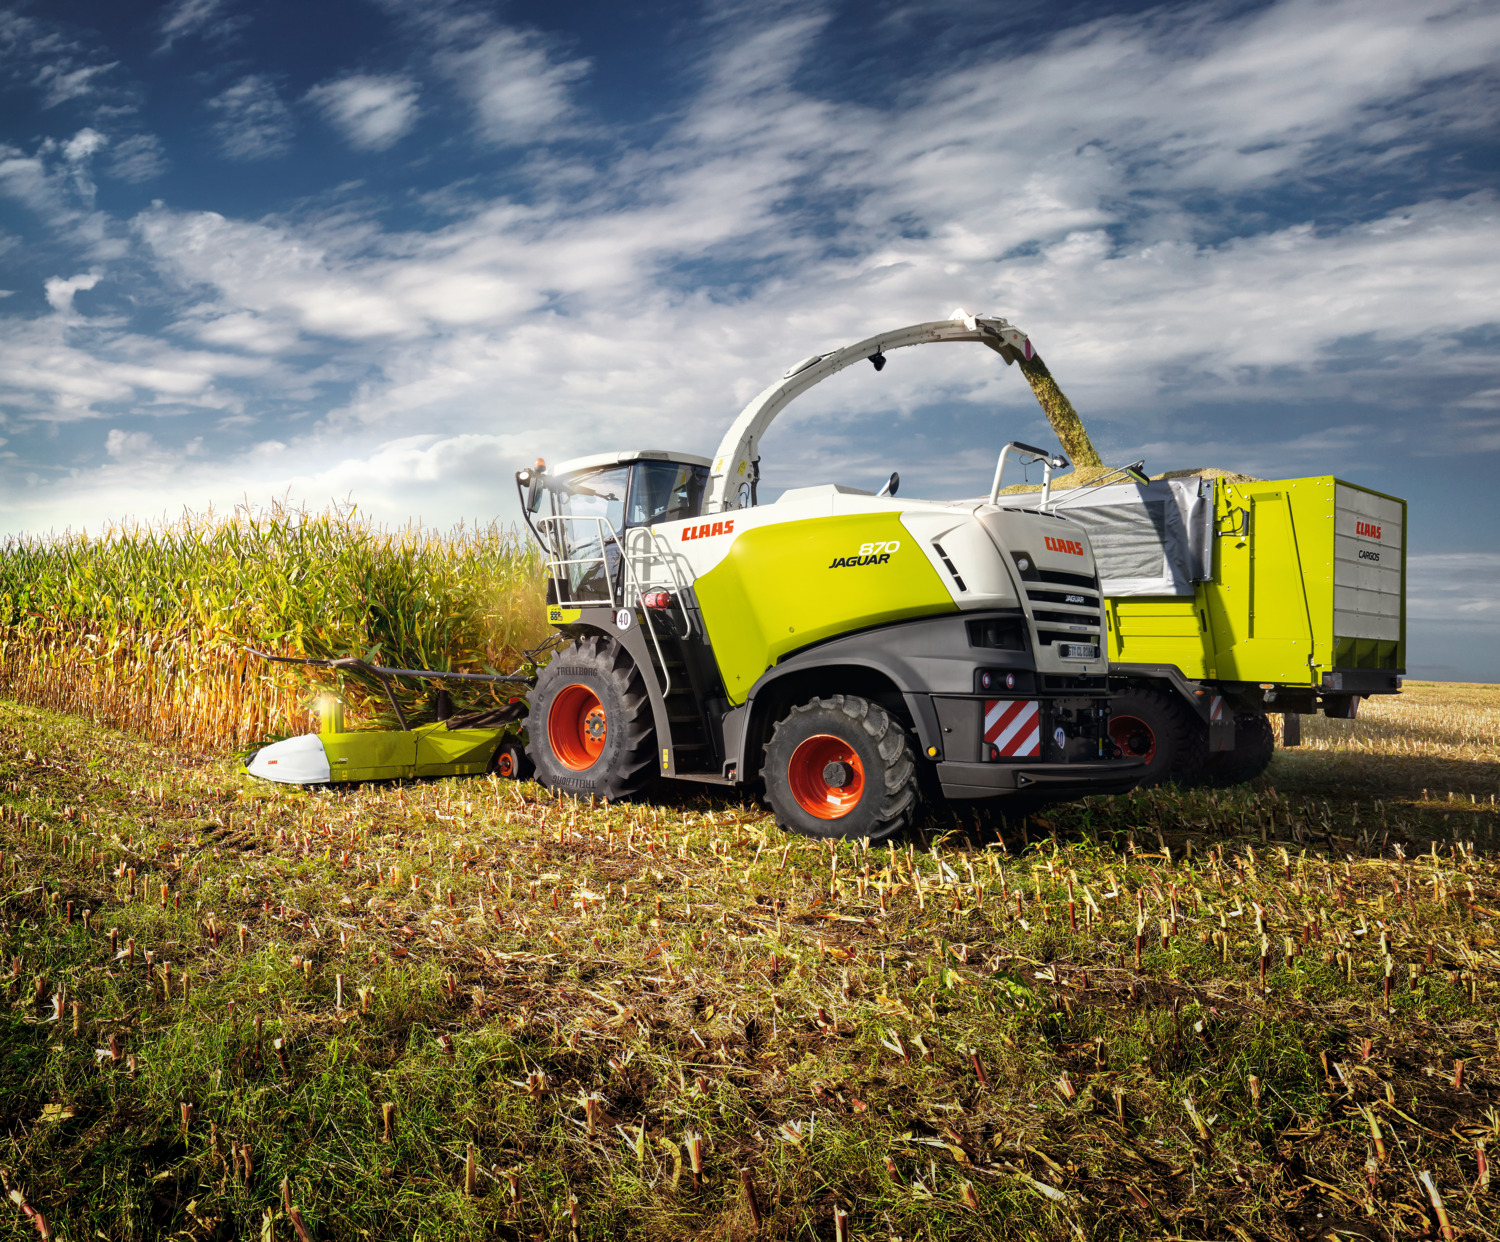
[
  {"x": 1065, "y": 545},
  {"x": 1365, "y": 528},
  {"x": 708, "y": 529}
]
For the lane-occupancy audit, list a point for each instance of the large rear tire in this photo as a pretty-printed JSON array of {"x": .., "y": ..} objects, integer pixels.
[
  {"x": 588, "y": 723},
  {"x": 841, "y": 767},
  {"x": 1157, "y": 726},
  {"x": 1254, "y": 745}
]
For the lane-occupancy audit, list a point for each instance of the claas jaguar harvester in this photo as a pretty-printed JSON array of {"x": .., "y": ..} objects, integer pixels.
[{"x": 852, "y": 650}]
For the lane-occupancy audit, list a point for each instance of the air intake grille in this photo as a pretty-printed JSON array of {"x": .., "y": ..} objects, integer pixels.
[
  {"x": 1067, "y": 618},
  {"x": 1063, "y": 579},
  {"x": 952, "y": 568}
]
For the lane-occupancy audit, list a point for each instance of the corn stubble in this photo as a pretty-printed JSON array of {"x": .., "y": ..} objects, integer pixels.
[
  {"x": 464, "y": 1009},
  {"x": 144, "y": 627}
]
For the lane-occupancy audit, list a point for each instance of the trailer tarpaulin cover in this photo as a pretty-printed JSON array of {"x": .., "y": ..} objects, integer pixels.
[{"x": 1151, "y": 540}]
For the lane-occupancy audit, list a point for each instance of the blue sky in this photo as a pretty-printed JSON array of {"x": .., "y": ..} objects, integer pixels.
[{"x": 388, "y": 252}]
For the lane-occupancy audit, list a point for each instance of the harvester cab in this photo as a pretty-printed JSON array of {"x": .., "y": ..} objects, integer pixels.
[{"x": 849, "y": 649}]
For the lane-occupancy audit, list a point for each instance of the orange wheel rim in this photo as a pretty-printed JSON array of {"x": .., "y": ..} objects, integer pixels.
[
  {"x": 505, "y": 764},
  {"x": 826, "y": 777},
  {"x": 576, "y": 727},
  {"x": 1125, "y": 731}
]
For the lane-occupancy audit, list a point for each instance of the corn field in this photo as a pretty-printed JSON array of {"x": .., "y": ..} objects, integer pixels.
[{"x": 145, "y": 627}]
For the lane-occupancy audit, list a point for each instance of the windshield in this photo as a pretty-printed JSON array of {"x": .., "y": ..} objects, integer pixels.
[
  {"x": 589, "y": 503},
  {"x": 665, "y": 491}
]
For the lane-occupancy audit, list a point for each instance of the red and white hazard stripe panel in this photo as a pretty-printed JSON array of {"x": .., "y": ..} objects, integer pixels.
[
  {"x": 1216, "y": 709},
  {"x": 1013, "y": 727}
]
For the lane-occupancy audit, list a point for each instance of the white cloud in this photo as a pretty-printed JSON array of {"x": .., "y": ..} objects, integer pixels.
[
  {"x": 60, "y": 83},
  {"x": 77, "y": 152},
  {"x": 137, "y": 158},
  {"x": 1454, "y": 588},
  {"x": 208, "y": 18},
  {"x": 83, "y": 144},
  {"x": 253, "y": 123},
  {"x": 129, "y": 445},
  {"x": 371, "y": 112},
  {"x": 54, "y": 62},
  {"x": 1056, "y": 187},
  {"x": 305, "y": 281},
  {"x": 59, "y": 191},
  {"x": 942, "y": 205},
  {"x": 60, "y": 292},
  {"x": 24, "y": 178},
  {"x": 245, "y": 331},
  {"x": 66, "y": 368},
  {"x": 519, "y": 93}
]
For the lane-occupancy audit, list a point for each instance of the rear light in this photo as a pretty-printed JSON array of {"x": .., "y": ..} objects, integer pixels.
[{"x": 657, "y": 600}]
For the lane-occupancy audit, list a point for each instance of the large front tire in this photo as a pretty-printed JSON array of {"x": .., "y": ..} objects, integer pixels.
[
  {"x": 1156, "y": 726},
  {"x": 841, "y": 767},
  {"x": 588, "y": 723}
]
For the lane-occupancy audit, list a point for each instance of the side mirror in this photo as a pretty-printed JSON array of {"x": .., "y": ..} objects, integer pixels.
[{"x": 530, "y": 482}]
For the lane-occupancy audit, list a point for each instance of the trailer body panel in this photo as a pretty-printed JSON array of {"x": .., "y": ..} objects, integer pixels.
[{"x": 1308, "y": 581}]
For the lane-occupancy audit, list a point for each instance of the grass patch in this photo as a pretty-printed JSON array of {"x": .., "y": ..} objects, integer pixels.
[{"x": 467, "y": 1009}]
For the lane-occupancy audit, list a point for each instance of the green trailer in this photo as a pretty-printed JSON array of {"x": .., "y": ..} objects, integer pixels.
[{"x": 1229, "y": 600}]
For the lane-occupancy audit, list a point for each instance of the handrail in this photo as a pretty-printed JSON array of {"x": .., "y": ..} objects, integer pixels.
[
  {"x": 556, "y": 563},
  {"x": 661, "y": 659},
  {"x": 678, "y": 589},
  {"x": 631, "y": 589},
  {"x": 1050, "y": 461}
]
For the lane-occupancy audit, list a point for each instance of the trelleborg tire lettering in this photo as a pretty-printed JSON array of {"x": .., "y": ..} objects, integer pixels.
[
  {"x": 589, "y": 723},
  {"x": 841, "y": 767}
]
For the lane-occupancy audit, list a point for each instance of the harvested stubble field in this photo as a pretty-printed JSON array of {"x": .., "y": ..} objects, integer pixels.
[{"x": 469, "y": 1009}]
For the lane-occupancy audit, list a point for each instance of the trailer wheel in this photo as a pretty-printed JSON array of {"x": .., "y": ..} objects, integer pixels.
[
  {"x": 511, "y": 762},
  {"x": 1153, "y": 725},
  {"x": 841, "y": 767},
  {"x": 589, "y": 722},
  {"x": 1254, "y": 744}
]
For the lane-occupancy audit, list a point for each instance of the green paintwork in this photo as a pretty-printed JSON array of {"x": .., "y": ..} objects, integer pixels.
[
  {"x": 1268, "y": 613},
  {"x": 330, "y": 716},
  {"x": 428, "y": 750},
  {"x": 778, "y": 590}
]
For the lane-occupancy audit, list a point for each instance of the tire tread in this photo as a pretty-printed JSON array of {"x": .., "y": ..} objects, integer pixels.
[
  {"x": 898, "y": 777},
  {"x": 635, "y": 764}
]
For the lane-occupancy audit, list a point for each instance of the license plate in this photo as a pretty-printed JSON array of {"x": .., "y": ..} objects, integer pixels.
[{"x": 1080, "y": 651}]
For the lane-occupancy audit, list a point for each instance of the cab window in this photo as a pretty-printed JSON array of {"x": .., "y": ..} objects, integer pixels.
[{"x": 665, "y": 491}]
